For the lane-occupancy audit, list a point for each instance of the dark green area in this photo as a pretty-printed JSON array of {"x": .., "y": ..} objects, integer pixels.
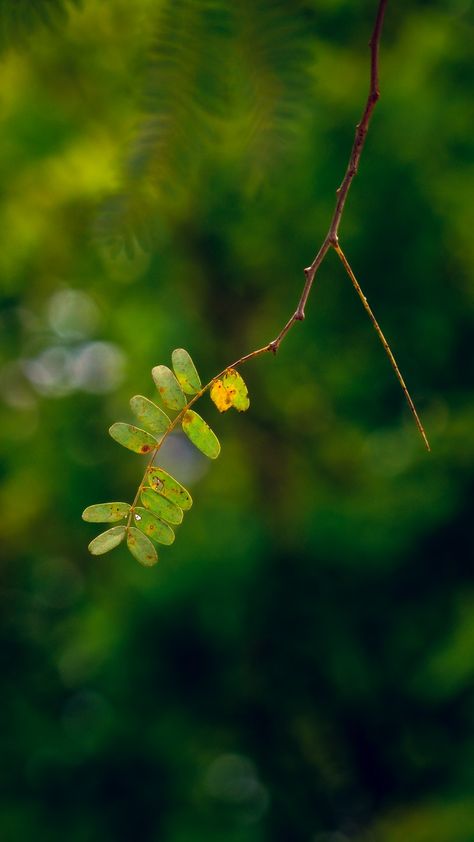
[{"x": 299, "y": 665}]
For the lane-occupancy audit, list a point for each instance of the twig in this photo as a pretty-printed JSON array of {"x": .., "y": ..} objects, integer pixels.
[
  {"x": 384, "y": 342},
  {"x": 331, "y": 239}
]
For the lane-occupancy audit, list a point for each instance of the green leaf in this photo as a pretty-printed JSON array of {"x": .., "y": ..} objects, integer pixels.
[
  {"x": 201, "y": 434},
  {"x": 160, "y": 506},
  {"x": 170, "y": 391},
  {"x": 185, "y": 371},
  {"x": 169, "y": 487},
  {"x": 150, "y": 415},
  {"x": 141, "y": 547},
  {"x": 152, "y": 526},
  {"x": 133, "y": 437},
  {"x": 234, "y": 383},
  {"x": 106, "y": 512},
  {"x": 107, "y": 540},
  {"x": 229, "y": 391}
]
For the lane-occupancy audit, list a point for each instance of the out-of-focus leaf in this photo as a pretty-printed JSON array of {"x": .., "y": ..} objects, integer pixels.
[
  {"x": 107, "y": 540},
  {"x": 161, "y": 506},
  {"x": 170, "y": 488},
  {"x": 105, "y": 512},
  {"x": 150, "y": 415},
  {"x": 201, "y": 434},
  {"x": 133, "y": 437},
  {"x": 141, "y": 547},
  {"x": 170, "y": 391},
  {"x": 185, "y": 371},
  {"x": 229, "y": 391},
  {"x": 152, "y": 526}
]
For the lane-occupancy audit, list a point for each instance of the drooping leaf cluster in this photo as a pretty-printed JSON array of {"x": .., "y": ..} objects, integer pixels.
[{"x": 161, "y": 500}]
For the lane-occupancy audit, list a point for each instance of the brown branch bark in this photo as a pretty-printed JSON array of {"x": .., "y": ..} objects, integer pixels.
[{"x": 331, "y": 239}]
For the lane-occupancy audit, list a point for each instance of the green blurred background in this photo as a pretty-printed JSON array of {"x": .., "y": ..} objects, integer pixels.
[{"x": 299, "y": 666}]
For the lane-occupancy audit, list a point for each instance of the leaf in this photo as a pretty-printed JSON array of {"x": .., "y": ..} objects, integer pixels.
[
  {"x": 170, "y": 391},
  {"x": 221, "y": 396},
  {"x": 185, "y": 371},
  {"x": 201, "y": 434},
  {"x": 105, "y": 512},
  {"x": 230, "y": 391},
  {"x": 169, "y": 487},
  {"x": 141, "y": 547},
  {"x": 161, "y": 506},
  {"x": 152, "y": 526},
  {"x": 133, "y": 437},
  {"x": 107, "y": 540},
  {"x": 150, "y": 415},
  {"x": 235, "y": 384}
]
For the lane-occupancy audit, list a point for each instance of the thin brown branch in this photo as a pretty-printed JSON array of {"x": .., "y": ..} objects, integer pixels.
[
  {"x": 331, "y": 237},
  {"x": 384, "y": 342}
]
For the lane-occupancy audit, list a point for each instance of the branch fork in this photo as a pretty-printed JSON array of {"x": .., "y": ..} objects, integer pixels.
[{"x": 331, "y": 240}]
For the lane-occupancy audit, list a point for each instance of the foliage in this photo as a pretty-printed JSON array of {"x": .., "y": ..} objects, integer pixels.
[
  {"x": 300, "y": 668},
  {"x": 163, "y": 496}
]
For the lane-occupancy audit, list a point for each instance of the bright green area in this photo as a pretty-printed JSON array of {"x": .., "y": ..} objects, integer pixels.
[
  {"x": 234, "y": 383},
  {"x": 132, "y": 437},
  {"x": 168, "y": 387},
  {"x": 152, "y": 526},
  {"x": 105, "y": 512},
  {"x": 107, "y": 541},
  {"x": 141, "y": 547},
  {"x": 200, "y": 433},
  {"x": 160, "y": 506},
  {"x": 299, "y": 667},
  {"x": 150, "y": 415},
  {"x": 167, "y": 485},
  {"x": 185, "y": 371}
]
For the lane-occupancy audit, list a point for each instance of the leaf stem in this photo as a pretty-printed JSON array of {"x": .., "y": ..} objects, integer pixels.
[{"x": 179, "y": 417}]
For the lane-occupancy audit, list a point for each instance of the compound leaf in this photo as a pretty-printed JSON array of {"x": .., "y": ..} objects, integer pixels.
[
  {"x": 141, "y": 547},
  {"x": 229, "y": 391},
  {"x": 152, "y": 526},
  {"x": 169, "y": 487},
  {"x": 185, "y": 371},
  {"x": 161, "y": 506},
  {"x": 170, "y": 391},
  {"x": 201, "y": 434},
  {"x": 107, "y": 540},
  {"x": 150, "y": 415},
  {"x": 133, "y": 437},
  {"x": 105, "y": 512}
]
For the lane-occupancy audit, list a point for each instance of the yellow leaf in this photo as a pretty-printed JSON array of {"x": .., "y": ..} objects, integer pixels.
[{"x": 222, "y": 397}]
